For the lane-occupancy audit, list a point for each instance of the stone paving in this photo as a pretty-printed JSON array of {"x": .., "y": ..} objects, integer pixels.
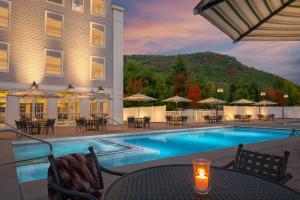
[{"x": 10, "y": 189}]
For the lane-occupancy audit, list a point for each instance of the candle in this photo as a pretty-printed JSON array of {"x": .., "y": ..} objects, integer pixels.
[
  {"x": 201, "y": 176},
  {"x": 201, "y": 181}
]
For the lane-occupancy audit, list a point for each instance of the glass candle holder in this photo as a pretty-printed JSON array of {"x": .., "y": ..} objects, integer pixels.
[{"x": 201, "y": 176}]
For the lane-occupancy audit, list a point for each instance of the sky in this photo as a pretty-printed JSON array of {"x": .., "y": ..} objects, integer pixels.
[{"x": 168, "y": 27}]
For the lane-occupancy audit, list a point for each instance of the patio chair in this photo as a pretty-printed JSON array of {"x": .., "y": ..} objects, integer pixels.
[
  {"x": 207, "y": 118},
  {"x": 146, "y": 122},
  {"x": 130, "y": 121},
  {"x": 259, "y": 116},
  {"x": 237, "y": 118},
  {"x": 50, "y": 125},
  {"x": 76, "y": 176},
  {"x": 168, "y": 120},
  {"x": 271, "y": 117},
  {"x": 262, "y": 165},
  {"x": 184, "y": 120}
]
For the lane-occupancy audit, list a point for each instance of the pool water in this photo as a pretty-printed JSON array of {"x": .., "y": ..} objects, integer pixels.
[{"x": 118, "y": 151}]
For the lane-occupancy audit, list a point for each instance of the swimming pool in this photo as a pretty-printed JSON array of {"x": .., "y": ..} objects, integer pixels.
[{"x": 122, "y": 150}]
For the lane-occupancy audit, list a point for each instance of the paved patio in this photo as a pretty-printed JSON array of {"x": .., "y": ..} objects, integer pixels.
[{"x": 10, "y": 189}]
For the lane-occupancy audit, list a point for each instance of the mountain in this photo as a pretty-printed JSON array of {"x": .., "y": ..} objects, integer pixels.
[
  {"x": 210, "y": 66},
  {"x": 205, "y": 68}
]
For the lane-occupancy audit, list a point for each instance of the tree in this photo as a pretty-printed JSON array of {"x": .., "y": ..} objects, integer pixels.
[
  {"x": 180, "y": 77},
  {"x": 232, "y": 92},
  {"x": 194, "y": 95}
]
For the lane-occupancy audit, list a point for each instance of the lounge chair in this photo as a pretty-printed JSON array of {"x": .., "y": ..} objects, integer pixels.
[
  {"x": 76, "y": 176},
  {"x": 262, "y": 165},
  {"x": 237, "y": 118}
]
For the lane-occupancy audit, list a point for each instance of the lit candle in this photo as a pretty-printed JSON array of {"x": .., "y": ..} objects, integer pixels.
[{"x": 201, "y": 181}]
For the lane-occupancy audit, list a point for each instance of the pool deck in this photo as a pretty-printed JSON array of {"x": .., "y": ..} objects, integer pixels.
[{"x": 10, "y": 189}]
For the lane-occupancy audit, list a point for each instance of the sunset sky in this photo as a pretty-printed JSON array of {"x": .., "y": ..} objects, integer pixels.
[{"x": 169, "y": 27}]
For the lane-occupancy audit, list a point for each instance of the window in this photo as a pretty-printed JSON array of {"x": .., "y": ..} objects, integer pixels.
[
  {"x": 78, "y": 5},
  {"x": 60, "y": 2},
  {"x": 4, "y": 57},
  {"x": 98, "y": 7},
  {"x": 54, "y": 62},
  {"x": 4, "y": 14},
  {"x": 54, "y": 25},
  {"x": 97, "y": 35},
  {"x": 97, "y": 68}
]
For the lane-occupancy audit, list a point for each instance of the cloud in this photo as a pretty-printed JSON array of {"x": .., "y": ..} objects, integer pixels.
[{"x": 169, "y": 27}]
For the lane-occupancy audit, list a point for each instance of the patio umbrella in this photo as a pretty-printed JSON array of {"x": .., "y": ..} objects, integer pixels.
[
  {"x": 94, "y": 95},
  {"x": 212, "y": 101},
  {"x": 243, "y": 102},
  {"x": 265, "y": 103},
  {"x": 34, "y": 93},
  {"x": 177, "y": 99},
  {"x": 139, "y": 98},
  {"x": 253, "y": 20}
]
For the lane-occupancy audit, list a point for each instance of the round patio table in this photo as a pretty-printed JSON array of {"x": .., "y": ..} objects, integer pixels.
[{"x": 176, "y": 182}]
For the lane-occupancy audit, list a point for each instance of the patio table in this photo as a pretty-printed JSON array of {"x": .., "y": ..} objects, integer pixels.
[
  {"x": 92, "y": 124},
  {"x": 138, "y": 122},
  {"x": 176, "y": 182}
]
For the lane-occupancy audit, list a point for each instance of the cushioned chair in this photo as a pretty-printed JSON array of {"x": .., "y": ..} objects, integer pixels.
[
  {"x": 262, "y": 165},
  {"x": 76, "y": 176}
]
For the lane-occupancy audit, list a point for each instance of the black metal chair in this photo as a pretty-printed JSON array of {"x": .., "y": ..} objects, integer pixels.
[
  {"x": 266, "y": 166},
  {"x": 76, "y": 176},
  {"x": 146, "y": 122},
  {"x": 130, "y": 121},
  {"x": 50, "y": 125}
]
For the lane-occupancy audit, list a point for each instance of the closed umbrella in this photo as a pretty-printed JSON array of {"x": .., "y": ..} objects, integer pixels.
[
  {"x": 253, "y": 20},
  {"x": 243, "y": 102},
  {"x": 139, "y": 98},
  {"x": 177, "y": 99}
]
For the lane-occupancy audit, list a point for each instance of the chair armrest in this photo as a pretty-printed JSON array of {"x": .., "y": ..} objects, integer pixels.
[
  {"x": 228, "y": 165},
  {"x": 286, "y": 179},
  {"x": 116, "y": 173},
  {"x": 69, "y": 193}
]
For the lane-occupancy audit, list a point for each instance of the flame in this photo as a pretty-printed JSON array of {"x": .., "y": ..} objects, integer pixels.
[{"x": 201, "y": 173}]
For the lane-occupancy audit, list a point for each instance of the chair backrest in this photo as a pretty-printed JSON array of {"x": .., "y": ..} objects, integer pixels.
[
  {"x": 263, "y": 165},
  {"x": 50, "y": 122},
  {"x": 76, "y": 172},
  {"x": 130, "y": 119}
]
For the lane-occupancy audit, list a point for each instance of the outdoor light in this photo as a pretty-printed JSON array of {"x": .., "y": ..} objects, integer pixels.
[
  {"x": 34, "y": 86},
  {"x": 70, "y": 89},
  {"x": 285, "y": 96},
  {"x": 263, "y": 94},
  {"x": 101, "y": 90},
  {"x": 201, "y": 169},
  {"x": 220, "y": 90}
]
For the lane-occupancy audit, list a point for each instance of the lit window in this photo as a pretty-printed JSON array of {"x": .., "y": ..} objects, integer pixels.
[
  {"x": 4, "y": 49},
  {"x": 97, "y": 68},
  {"x": 54, "y": 25},
  {"x": 61, "y": 2},
  {"x": 54, "y": 62},
  {"x": 98, "y": 7},
  {"x": 97, "y": 35},
  {"x": 78, "y": 5},
  {"x": 4, "y": 14}
]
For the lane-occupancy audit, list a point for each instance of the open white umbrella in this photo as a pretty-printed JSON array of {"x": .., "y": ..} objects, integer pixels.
[
  {"x": 139, "y": 98},
  {"x": 213, "y": 101},
  {"x": 243, "y": 102},
  {"x": 265, "y": 103},
  {"x": 177, "y": 99}
]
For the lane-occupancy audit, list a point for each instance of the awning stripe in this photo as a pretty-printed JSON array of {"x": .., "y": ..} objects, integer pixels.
[
  {"x": 241, "y": 19},
  {"x": 218, "y": 12}
]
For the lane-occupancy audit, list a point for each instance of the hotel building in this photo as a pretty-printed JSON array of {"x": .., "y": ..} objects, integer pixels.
[{"x": 60, "y": 59}]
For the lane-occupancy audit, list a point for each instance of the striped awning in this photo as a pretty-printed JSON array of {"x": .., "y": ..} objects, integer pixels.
[{"x": 254, "y": 20}]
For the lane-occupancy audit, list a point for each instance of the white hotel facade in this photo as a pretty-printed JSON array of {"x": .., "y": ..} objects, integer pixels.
[{"x": 69, "y": 48}]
